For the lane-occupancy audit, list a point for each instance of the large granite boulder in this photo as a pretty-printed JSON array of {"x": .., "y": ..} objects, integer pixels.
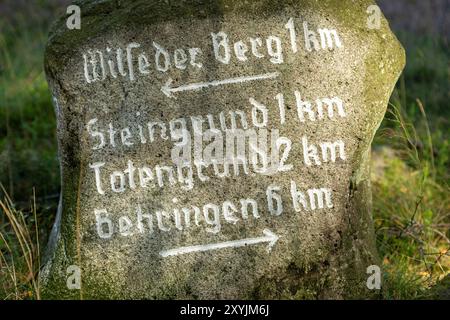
[{"x": 217, "y": 149}]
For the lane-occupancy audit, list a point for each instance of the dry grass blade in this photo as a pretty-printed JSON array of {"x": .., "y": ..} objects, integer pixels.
[
  {"x": 10, "y": 270},
  {"x": 28, "y": 250}
]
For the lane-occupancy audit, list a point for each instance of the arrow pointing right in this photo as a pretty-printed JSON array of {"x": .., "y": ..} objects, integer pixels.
[{"x": 269, "y": 237}]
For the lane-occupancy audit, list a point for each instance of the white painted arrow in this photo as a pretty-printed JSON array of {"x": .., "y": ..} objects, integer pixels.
[
  {"x": 269, "y": 237},
  {"x": 168, "y": 90}
]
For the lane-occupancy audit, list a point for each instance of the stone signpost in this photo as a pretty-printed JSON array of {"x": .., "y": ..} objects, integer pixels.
[{"x": 217, "y": 149}]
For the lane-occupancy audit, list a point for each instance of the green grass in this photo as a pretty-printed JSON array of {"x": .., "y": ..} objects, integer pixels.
[
  {"x": 411, "y": 212},
  {"x": 28, "y": 157},
  {"x": 27, "y": 121},
  {"x": 410, "y": 176}
]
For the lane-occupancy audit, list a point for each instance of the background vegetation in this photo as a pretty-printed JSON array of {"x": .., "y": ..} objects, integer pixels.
[{"x": 410, "y": 161}]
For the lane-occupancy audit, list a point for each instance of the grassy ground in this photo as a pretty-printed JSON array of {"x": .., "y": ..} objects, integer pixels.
[
  {"x": 410, "y": 175},
  {"x": 28, "y": 155}
]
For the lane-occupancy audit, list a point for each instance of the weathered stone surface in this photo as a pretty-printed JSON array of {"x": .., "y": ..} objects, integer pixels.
[{"x": 317, "y": 245}]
